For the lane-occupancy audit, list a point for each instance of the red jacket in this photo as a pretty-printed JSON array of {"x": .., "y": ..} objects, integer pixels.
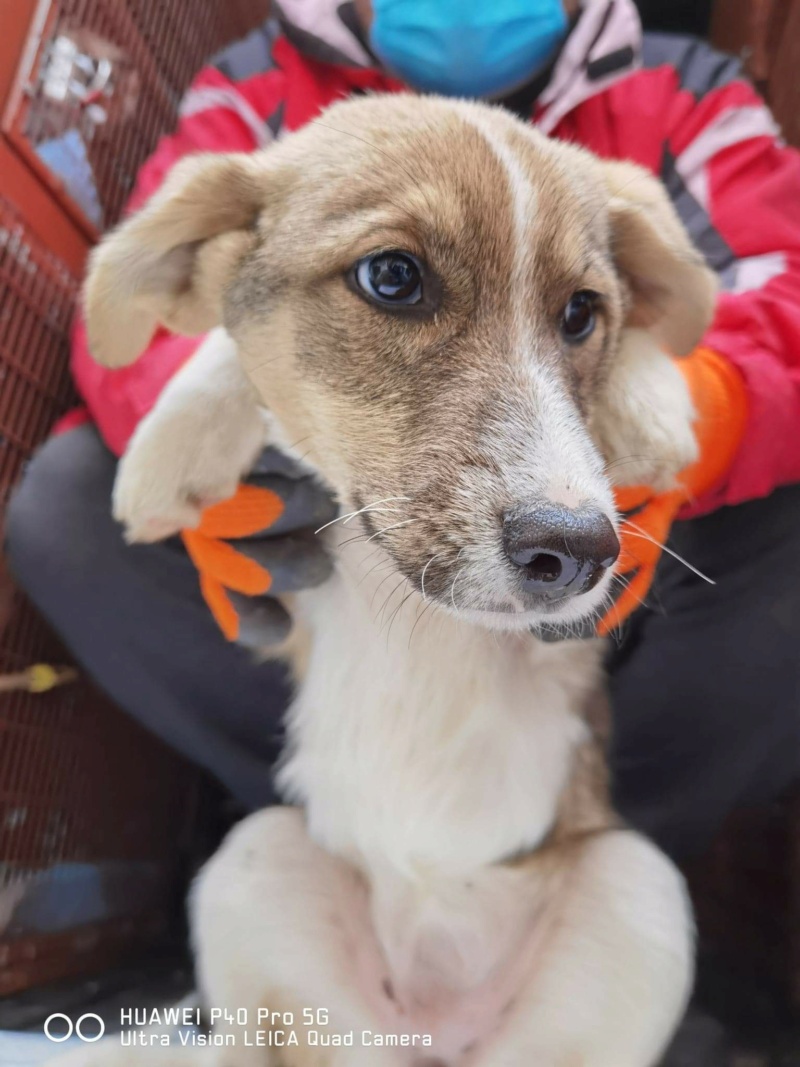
[{"x": 671, "y": 104}]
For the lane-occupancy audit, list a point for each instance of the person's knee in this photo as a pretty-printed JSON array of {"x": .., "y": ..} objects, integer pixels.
[
  {"x": 49, "y": 513},
  {"x": 28, "y": 525}
]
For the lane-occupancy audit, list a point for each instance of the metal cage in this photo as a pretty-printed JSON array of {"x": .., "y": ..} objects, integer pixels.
[
  {"x": 98, "y": 83},
  {"x": 95, "y": 813}
]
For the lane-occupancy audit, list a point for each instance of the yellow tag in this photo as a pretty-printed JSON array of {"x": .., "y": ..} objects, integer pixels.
[{"x": 41, "y": 677}]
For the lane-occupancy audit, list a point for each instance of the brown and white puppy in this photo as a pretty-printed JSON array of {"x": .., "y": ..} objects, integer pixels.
[{"x": 462, "y": 327}]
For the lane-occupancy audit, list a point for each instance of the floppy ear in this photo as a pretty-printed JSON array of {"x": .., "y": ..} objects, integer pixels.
[
  {"x": 673, "y": 290},
  {"x": 169, "y": 263}
]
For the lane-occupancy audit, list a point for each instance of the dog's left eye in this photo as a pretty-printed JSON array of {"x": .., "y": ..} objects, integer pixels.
[
  {"x": 579, "y": 318},
  {"x": 391, "y": 278}
]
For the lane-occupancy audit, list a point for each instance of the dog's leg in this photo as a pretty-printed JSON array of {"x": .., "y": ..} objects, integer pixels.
[
  {"x": 280, "y": 926},
  {"x": 611, "y": 975},
  {"x": 192, "y": 449}
]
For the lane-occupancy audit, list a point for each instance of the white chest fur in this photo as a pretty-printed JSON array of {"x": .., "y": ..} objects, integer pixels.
[
  {"x": 425, "y": 758},
  {"x": 444, "y": 749}
]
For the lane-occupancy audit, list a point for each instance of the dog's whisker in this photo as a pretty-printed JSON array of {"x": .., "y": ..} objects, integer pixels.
[
  {"x": 425, "y": 606},
  {"x": 376, "y": 551},
  {"x": 611, "y": 597},
  {"x": 385, "y": 578},
  {"x": 386, "y": 564},
  {"x": 369, "y": 511},
  {"x": 610, "y": 604},
  {"x": 267, "y": 363},
  {"x": 367, "y": 507},
  {"x": 354, "y": 540},
  {"x": 396, "y": 612},
  {"x": 626, "y": 459},
  {"x": 626, "y": 584},
  {"x": 670, "y": 552},
  {"x": 343, "y": 519},
  {"x": 374, "y": 507},
  {"x": 374, "y": 567},
  {"x": 382, "y": 612},
  {"x": 338, "y": 518},
  {"x": 302, "y": 441},
  {"x": 453, "y": 589},
  {"x": 394, "y": 526},
  {"x": 425, "y": 568}
]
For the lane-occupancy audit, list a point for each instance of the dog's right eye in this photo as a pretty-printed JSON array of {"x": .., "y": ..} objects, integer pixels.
[
  {"x": 390, "y": 278},
  {"x": 579, "y": 318}
]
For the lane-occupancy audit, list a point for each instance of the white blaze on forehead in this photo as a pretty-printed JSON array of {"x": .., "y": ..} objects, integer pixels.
[
  {"x": 523, "y": 208},
  {"x": 561, "y": 463}
]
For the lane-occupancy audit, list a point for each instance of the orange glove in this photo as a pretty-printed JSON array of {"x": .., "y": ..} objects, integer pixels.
[
  {"x": 720, "y": 400},
  {"x": 257, "y": 545},
  {"x": 250, "y": 510}
]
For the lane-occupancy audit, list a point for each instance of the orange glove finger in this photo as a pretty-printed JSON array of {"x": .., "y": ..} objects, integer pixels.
[
  {"x": 630, "y": 498},
  {"x": 220, "y": 606},
  {"x": 249, "y": 511},
  {"x": 224, "y": 564},
  {"x": 719, "y": 394},
  {"x": 235, "y": 563},
  {"x": 643, "y": 530},
  {"x": 633, "y": 591},
  {"x": 645, "y": 524},
  {"x": 720, "y": 400}
]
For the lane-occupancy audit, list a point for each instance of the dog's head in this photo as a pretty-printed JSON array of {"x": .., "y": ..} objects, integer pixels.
[{"x": 428, "y": 296}]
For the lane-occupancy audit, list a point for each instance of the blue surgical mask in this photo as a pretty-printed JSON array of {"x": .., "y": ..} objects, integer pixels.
[{"x": 467, "y": 48}]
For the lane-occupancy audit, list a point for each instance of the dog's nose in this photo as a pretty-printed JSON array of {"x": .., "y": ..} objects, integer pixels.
[{"x": 560, "y": 550}]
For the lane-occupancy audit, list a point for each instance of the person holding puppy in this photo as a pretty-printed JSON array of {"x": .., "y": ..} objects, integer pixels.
[{"x": 704, "y": 678}]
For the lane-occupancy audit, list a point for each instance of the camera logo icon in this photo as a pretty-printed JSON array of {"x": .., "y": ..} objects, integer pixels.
[{"x": 79, "y": 1027}]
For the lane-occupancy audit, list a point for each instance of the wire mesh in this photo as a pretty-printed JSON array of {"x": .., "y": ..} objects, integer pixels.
[
  {"x": 37, "y": 297},
  {"x": 106, "y": 83},
  {"x": 93, "y": 810}
]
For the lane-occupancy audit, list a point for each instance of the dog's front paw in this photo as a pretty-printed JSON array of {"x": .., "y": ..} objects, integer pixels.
[
  {"x": 644, "y": 421},
  {"x": 160, "y": 490},
  {"x": 175, "y": 467}
]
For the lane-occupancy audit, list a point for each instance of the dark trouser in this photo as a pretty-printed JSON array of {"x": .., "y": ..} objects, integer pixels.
[{"x": 705, "y": 686}]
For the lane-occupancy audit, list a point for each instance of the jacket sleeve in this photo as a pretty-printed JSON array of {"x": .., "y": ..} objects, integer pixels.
[
  {"x": 217, "y": 114},
  {"x": 738, "y": 187}
]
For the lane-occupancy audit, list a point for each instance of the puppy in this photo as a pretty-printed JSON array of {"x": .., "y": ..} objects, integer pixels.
[{"x": 460, "y": 326}]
